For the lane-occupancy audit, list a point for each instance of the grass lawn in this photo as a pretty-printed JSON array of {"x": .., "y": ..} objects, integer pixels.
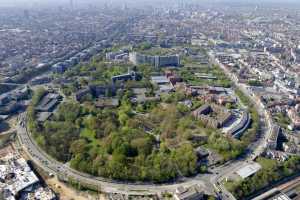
[
  {"x": 267, "y": 163},
  {"x": 229, "y": 185},
  {"x": 188, "y": 74}
]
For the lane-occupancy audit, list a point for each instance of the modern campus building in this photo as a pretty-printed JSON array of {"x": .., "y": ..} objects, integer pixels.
[{"x": 156, "y": 61}]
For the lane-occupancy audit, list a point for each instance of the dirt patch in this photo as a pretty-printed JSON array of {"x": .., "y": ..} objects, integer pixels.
[
  {"x": 7, "y": 150},
  {"x": 67, "y": 193}
]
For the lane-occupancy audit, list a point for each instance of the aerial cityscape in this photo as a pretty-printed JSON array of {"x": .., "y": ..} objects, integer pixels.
[{"x": 149, "y": 100}]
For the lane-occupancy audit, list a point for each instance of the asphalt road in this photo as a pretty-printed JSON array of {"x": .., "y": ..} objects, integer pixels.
[
  {"x": 54, "y": 167},
  {"x": 210, "y": 182}
]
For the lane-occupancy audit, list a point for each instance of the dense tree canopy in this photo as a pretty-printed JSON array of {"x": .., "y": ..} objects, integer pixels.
[{"x": 150, "y": 141}]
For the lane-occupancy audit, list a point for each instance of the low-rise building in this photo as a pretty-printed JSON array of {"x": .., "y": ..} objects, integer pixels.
[
  {"x": 18, "y": 181},
  {"x": 40, "y": 193},
  {"x": 201, "y": 153},
  {"x": 59, "y": 68},
  {"x": 295, "y": 117},
  {"x": 273, "y": 194},
  {"x": 48, "y": 102},
  {"x": 131, "y": 75},
  {"x": 156, "y": 61},
  {"x": 242, "y": 124},
  {"x": 117, "y": 56},
  {"x": 273, "y": 140},
  {"x": 82, "y": 93},
  {"x": 290, "y": 147},
  {"x": 212, "y": 115},
  {"x": 43, "y": 116},
  {"x": 10, "y": 108},
  {"x": 163, "y": 83},
  {"x": 40, "y": 80},
  {"x": 107, "y": 103},
  {"x": 4, "y": 99},
  {"x": 276, "y": 155},
  {"x": 20, "y": 94},
  {"x": 248, "y": 170},
  {"x": 103, "y": 90}
]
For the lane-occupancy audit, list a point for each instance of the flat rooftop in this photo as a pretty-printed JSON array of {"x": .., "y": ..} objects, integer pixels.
[
  {"x": 160, "y": 79},
  {"x": 248, "y": 170}
]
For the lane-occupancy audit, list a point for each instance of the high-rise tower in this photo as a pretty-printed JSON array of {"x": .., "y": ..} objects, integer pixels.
[{"x": 71, "y": 4}]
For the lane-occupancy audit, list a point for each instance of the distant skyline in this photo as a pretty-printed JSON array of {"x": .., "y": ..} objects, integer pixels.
[
  {"x": 33, "y": 3},
  {"x": 130, "y": 1}
]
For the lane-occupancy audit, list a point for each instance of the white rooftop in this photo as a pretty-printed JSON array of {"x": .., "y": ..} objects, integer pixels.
[
  {"x": 282, "y": 197},
  {"x": 248, "y": 170},
  {"x": 23, "y": 176},
  {"x": 159, "y": 79}
]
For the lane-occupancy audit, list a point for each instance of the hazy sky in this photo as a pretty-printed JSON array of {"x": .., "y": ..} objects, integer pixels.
[
  {"x": 66, "y": 1},
  {"x": 31, "y": 3}
]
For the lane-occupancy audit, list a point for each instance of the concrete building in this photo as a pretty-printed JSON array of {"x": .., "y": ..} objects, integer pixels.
[
  {"x": 16, "y": 175},
  {"x": 276, "y": 155},
  {"x": 10, "y": 108},
  {"x": 103, "y": 90},
  {"x": 4, "y": 99},
  {"x": 163, "y": 83},
  {"x": 117, "y": 56},
  {"x": 107, "y": 103},
  {"x": 156, "y": 61},
  {"x": 131, "y": 75},
  {"x": 39, "y": 194},
  {"x": 273, "y": 140},
  {"x": 43, "y": 116},
  {"x": 18, "y": 181},
  {"x": 212, "y": 115},
  {"x": 40, "y": 80},
  {"x": 82, "y": 93},
  {"x": 295, "y": 117},
  {"x": 59, "y": 68},
  {"x": 273, "y": 194},
  {"x": 248, "y": 170},
  {"x": 238, "y": 129},
  {"x": 48, "y": 102},
  {"x": 20, "y": 94}
]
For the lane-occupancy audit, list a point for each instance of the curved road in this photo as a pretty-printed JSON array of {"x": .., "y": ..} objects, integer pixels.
[
  {"x": 54, "y": 167},
  {"x": 209, "y": 182}
]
